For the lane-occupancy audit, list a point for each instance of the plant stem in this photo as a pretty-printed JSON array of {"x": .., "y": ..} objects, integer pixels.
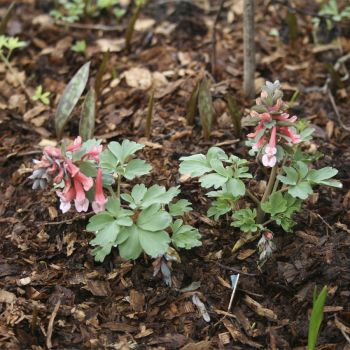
[
  {"x": 118, "y": 185},
  {"x": 253, "y": 197},
  {"x": 268, "y": 190},
  {"x": 12, "y": 71}
]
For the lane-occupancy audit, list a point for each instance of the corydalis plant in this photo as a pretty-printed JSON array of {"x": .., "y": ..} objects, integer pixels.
[
  {"x": 144, "y": 220},
  {"x": 276, "y": 142}
]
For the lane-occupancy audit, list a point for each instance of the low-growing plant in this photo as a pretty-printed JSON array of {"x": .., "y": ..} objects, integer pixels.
[
  {"x": 41, "y": 95},
  {"x": 277, "y": 145},
  {"x": 144, "y": 220},
  {"x": 7, "y": 45},
  {"x": 79, "y": 47},
  {"x": 71, "y": 11}
]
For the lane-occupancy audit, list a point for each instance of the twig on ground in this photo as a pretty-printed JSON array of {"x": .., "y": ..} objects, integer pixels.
[
  {"x": 336, "y": 111},
  {"x": 50, "y": 326}
]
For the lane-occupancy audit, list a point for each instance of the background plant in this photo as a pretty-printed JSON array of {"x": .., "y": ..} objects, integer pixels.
[{"x": 277, "y": 144}]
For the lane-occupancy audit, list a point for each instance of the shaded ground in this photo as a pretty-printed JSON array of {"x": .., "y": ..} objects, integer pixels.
[{"x": 46, "y": 270}]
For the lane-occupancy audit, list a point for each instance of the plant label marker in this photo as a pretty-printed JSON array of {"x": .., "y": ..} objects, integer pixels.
[{"x": 234, "y": 283}]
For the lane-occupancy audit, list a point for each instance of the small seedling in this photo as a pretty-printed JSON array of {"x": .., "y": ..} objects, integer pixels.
[
  {"x": 316, "y": 317},
  {"x": 42, "y": 96},
  {"x": 276, "y": 145},
  {"x": 79, "y": 47}
]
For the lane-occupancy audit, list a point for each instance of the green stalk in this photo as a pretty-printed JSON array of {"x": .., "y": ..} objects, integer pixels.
[
  {"x": 118, "y": 185},
  {"x": 268, "y": 190}
]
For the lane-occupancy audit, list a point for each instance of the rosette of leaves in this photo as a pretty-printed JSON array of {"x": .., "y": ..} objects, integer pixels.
[
  {"x": 225, "y": 174},
  {"x": 147, "y": 225}
]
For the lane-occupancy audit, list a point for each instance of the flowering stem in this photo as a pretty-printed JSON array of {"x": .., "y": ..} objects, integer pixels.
[
  {"x": 253, "y": 197},
  {"x": 268, "y": 190}
]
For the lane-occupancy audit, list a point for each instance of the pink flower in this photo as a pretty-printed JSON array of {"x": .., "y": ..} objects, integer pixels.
[
  {"x": 100, "y": 200},
  {"x": 86, "y": 181},
  {"x": 81, "y": 202},
  {"x": 77, "y": 143},
  {"x": 269, "y": 158},
  {"x": 52, "y": 152},
  {"x": 93, "y": 153},
  {"x": 66, "y": 196}
]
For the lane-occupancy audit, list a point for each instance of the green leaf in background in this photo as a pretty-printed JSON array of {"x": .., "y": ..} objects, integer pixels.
[
  {"x": 316, "y": 318},
  {"x": 88, "y": 115},
  {"x": 180, "y": 207},
  {"x": 205, "y": 107},
  {"x": 70, "y": 98},
  {"x": 184, "y": 236}
]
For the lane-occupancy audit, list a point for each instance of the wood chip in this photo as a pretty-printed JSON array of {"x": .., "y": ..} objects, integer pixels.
[{"x": 259, "y": 309}]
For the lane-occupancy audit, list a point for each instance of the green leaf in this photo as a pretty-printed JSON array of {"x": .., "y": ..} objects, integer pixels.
[
  {"x": 316, "y": 318},
  {"x": 108, "y": 161},
  {"x": 113, "y": 206},
  {"x": 276, "y": 204},
  {"x": 101, "y": 252},
  {"x": 131, "y": 247},
  {"x": 236, "y": 187},
  {"x": 301, "y": 190},
  {"x": 153, "y": 219},
  {"x": 158, "y": 195},
  {"x": 245, "y": 220},
  {"x": 219, "y": 208},
  {"x": 88, "y": 168},
  {"x": 88, "y": 115},
  {"x": 136, "y": 167},
  {"x": 195, "y": 165},
  {"x": 123, "y": 151},
  {"x": 291, "y": 177},
  {"x": 99, "y": 221},
  {"x": 155, "y": 244},
  {"x": 326, "y": 173},
  {"x": 106, "y": 235},
  {"x": 184, "y": 236},
  {"x": 180, "y": 207},
  {"x": 214, "y": 180},
  {"x": 70, "y": 98}
]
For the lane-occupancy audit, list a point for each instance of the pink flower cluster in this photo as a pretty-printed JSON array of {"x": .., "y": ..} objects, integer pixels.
[
  {"x": 274, "y": 124},
  {"x": 60, "y": 167}
]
